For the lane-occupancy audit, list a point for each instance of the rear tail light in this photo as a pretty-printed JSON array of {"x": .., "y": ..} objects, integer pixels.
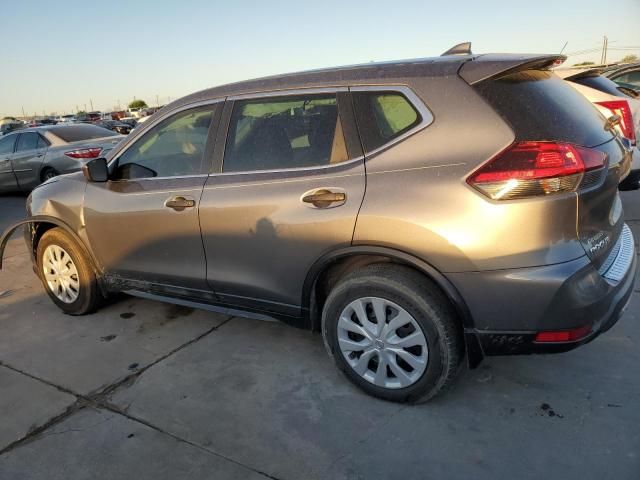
[
  {"x": 622, "y": 108},
  {"x": 84, "y": 153},
  {"x": 528, "y": 169},
  {"x": 551, "y": 336}
]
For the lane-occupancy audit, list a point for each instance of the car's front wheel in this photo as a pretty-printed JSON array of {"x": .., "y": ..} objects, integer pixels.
[
  {"x": 66, "y": 273},
  {"x": 393, "y": 333}
]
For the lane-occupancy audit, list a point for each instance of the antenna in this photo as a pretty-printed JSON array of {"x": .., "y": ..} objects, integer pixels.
[
  {"x": 459, "y": 49},
  {"x": 565, "y": 46}
]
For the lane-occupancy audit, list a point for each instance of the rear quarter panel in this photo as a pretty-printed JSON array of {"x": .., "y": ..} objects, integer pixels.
[{"x": 417, "y": 199}]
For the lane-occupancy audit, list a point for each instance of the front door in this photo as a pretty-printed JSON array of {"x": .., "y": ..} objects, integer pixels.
[
  {"x": 288, "y": 191},
  {"x": 8, "y": 182},
  {"x": 143, "y": 223},
  {"x": 28, "y": 157}
]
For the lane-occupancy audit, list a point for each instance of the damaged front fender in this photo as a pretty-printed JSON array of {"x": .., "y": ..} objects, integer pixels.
[{"x": 4, "y": 239}]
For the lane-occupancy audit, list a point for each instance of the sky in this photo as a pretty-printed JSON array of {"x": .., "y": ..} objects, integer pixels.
[{"x": 60, "y": 56}]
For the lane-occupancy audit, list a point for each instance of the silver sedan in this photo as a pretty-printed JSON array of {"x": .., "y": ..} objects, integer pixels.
[{"x": 30, "y": 156}]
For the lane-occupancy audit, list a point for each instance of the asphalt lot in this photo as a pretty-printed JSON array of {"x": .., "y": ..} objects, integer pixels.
[{"x": 147, "y": 390}]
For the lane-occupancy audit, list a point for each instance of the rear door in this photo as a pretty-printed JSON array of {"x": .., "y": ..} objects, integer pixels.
[
  {"x": 28, "y": 156},
  {"x": 287, "y": 184},
  {"x": 8, "y": 182}
]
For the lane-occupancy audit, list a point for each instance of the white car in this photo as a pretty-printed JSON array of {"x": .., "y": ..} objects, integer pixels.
[{"x": 609, "y": 100}]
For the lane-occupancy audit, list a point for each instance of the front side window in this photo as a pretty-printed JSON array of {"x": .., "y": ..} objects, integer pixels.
[
  {"x": 284, "y": 132},
  {"x": 6, "y": 145},
  {"x": 27, "y": 141},
  {"x": 383, "y": 116},
  {"x": 175, "y": 147}
]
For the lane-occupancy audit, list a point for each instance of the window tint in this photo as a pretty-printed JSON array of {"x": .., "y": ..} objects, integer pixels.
[
  {"x": 174, "y": 147},
  {"x": 540, "y": 106},
  {"x": 284, "y": 132},
  {"x": 6, "y": 144},
  {"x": 629, "y": 77},
  {"x": 75, "y": 133},
  {"x": 42, "y": 143},
  {"x": 383, "y": 116},
  {"x": 27, "y": 141}
]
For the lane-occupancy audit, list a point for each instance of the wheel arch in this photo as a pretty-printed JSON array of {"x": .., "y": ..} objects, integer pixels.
[
  {"x": 332, "y": 266},
  {"x": 38, "y": 226}
]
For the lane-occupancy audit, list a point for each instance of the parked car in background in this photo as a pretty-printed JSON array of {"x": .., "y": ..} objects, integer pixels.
[
  {"x": 67, "y": 119},
  {"x": 116, "y": 126},
  {"x": 30, "y": 156},
  {"x": 611, "y": 100},
  {"x": 131, "y": 121},
  {"x": 252, "y": 197},
  {"x": 10, "y": 124},
  {"x": 626, "y": 75}
]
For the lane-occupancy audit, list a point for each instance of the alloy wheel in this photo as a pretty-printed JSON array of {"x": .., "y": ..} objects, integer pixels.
[{"x": 382, "y": 342}]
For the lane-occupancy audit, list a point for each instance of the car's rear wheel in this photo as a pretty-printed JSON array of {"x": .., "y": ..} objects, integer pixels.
[
  {"x": 48, "y": 173},
  {"x": 393, "y": 333},
  {"x": 66, "y": 273}
]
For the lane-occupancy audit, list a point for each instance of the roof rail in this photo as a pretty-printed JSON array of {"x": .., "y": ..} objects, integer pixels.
[{"x": 459, "y": 49}]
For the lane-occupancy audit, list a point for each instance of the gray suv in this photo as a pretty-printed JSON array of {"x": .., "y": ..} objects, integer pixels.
[{"x": 413, "y": 212}]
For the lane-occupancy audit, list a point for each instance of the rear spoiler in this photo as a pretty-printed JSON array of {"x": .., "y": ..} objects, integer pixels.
[{"x": 484, "y": 67}]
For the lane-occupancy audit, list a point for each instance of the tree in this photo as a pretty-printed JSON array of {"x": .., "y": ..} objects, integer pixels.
[
  {"x": 138, "y": 104},
  {"x": 81, "y": 113},
  {"x": 583, "y": 64},
  {"x": 630, "y": 59}
]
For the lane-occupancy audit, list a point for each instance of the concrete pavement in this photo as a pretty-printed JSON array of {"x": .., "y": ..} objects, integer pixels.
[{"x": 150, "y": 391}]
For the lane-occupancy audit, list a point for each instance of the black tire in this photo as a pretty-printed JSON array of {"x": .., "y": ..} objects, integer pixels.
[
  {"x": 89, "y": 297},
  {"x": 47, "y": 173},
  {"x": 632, "y": 182},
  {"x": 423, "y": 300}
]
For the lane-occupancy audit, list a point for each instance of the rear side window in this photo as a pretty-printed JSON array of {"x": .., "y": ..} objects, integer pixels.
[
  {"x": 76, "y": 133},
  {"x": 541, "y": 106},
  {"x": 284, "y": 132},
  {"x": 27, "y": 141},
  {"x": 383, "y": 116},
  {"x": 42, "y": 143}
]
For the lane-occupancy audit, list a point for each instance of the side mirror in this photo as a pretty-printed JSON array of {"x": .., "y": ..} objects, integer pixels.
[{"x": 96, "y": 170}]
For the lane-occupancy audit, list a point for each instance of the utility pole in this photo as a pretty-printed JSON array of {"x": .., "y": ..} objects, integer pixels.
[
  {"x": 605, "y": 45},
  {"x": 24, "y": 115},
  {"x": 157, "y": 102},
  {"x": 91, "y": 102}
]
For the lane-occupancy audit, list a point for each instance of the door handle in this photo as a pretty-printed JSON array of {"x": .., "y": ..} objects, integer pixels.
[
  {"x": 180, "y": 203},
  {"x": 324, "y": 198}
]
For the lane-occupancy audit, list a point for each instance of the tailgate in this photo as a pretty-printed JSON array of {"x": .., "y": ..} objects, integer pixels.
[{"x": 600, "y": 217}]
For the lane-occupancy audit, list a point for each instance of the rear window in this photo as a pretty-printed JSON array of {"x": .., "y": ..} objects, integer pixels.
[
  {"x": 540, "y": 106},
  {"x": 76, "y": 133},
  {"x": 383, "y": 116},
  {"x": 601, "y": 83}
]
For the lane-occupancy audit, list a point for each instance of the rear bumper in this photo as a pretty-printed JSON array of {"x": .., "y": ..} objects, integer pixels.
[{"x": 510, "y": 307}]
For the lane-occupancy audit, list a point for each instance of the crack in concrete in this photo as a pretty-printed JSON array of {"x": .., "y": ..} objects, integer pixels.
[
  {"x": 32, "y": 435},
  {"x": 96, "y": 399}
]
